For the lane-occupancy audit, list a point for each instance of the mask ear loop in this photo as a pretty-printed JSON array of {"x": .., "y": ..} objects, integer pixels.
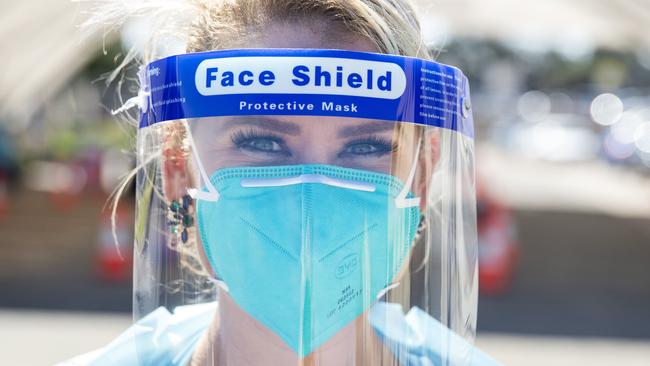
[
  {"x": 222, "y": 285},
  {"x": 401, "y": 201},
  {"x": 212, "y": 195}
]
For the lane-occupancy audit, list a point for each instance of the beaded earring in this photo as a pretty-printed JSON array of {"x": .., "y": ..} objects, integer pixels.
[{"x": 181, "y": 217}]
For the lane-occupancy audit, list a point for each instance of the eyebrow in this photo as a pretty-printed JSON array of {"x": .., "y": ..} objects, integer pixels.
[
  {"x": 288, "y": 128},
  {"x": 373, "y": 126}
]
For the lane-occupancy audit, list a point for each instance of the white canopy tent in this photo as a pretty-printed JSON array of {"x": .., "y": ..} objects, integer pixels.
[
  {"x": 42, "y": 50},
  {"x": 551, "y": 23}
]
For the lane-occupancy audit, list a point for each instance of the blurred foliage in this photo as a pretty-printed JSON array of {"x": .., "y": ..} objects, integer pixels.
[
  {"x": 81, "y": 133},
  {"x": 65, "y": 144}
]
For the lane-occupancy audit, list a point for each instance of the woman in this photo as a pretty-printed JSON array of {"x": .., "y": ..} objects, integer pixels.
[{"x": 321, "y": 191}]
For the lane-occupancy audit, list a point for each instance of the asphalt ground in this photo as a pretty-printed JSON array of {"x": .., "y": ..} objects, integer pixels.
[{"x": 581, "y": 277}]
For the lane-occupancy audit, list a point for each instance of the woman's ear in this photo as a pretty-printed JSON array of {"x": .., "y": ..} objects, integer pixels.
[
  {"x": 175, "y": 155},
  {"x": 429, "y": 155}
]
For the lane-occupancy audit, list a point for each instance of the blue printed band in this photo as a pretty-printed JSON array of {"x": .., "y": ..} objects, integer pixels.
[{"x": 306, "y": 82}]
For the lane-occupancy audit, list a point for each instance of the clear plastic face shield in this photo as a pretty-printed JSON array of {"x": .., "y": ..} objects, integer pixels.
[{"x": 311, "y": 206}]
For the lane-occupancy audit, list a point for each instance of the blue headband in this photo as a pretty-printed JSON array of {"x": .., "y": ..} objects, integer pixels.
[{"x": 306, "y": 82}]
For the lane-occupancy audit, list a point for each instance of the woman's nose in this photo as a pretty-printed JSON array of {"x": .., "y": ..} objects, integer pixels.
[{"x": 316, "y": 151}]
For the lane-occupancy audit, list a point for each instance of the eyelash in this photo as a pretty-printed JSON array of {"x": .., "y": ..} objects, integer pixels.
[{"x": 239, "y": 138}]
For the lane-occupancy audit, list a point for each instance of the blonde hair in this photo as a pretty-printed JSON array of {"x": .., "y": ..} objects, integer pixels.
[
  {"x": 390, "y": 25},
  {"x": 178, "y": 26}
]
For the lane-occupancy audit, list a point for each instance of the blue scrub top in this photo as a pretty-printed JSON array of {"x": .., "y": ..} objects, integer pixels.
[{"x": 164, "y": 338}]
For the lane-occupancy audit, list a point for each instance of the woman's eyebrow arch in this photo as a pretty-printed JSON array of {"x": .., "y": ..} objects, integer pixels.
[
  {"x": 272, "y": 124},
  {"x": 372, "y": 126}
]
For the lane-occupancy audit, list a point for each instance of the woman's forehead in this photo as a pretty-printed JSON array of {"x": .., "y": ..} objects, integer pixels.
[{"x": 341, "y": 127}]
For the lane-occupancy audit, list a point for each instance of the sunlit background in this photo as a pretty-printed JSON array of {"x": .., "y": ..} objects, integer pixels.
[{"x": 561, "y": 95}]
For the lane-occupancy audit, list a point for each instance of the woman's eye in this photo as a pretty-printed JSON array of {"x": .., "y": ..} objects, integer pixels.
[
  {"x": 262, "y": 144},
  {"x": 374, "y": 147},
  {"x": 362, "y": 149},
  {"x": 255, "y": 142}
]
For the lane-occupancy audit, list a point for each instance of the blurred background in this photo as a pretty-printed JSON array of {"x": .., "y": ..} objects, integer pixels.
[{"x": 561, "y": 93}]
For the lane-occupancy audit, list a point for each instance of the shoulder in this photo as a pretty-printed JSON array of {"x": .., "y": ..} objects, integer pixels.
[
  {"x": 418, "y": 339},
  {"x": 160, "y": 338}
]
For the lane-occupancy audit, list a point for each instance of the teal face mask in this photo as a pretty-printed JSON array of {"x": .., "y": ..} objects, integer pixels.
[{"x": 306, "y": 249}]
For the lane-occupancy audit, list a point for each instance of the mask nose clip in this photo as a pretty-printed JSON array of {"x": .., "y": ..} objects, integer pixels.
[{"x": 308, "y": 178}]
